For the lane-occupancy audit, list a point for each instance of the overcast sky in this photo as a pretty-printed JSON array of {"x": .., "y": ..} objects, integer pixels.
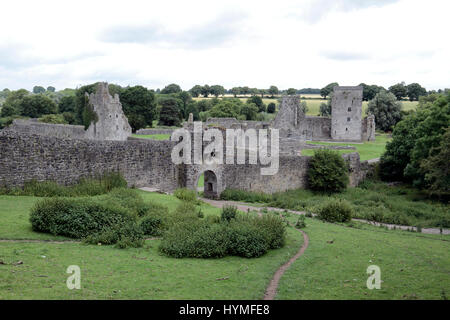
[{"x": 304, "y": 43}]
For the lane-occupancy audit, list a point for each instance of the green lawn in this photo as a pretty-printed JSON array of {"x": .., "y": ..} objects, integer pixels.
[
  {"x": 412, "y": 265},
  {"x": 111, "y": 273},
  {"x": 367, "y": 150},
  {"x": 153, "y": 136}
]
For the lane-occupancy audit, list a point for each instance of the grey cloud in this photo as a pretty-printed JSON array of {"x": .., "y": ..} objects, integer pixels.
[
  {"x": 345, "y": 55},
  {"x": 317, "y": 9},
  {"x": 211, "y": 34}
]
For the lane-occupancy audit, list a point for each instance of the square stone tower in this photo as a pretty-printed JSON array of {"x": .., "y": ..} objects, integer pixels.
[{"x": 346, "y": 110}]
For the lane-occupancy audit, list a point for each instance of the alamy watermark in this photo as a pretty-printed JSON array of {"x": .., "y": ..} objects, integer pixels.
[
  {"x": 374, "y": 280},
  {"x": 236, "y": 147},
  {"x": 73, "y": 281}
]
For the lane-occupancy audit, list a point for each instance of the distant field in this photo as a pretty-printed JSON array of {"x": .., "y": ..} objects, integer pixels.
[
  {"x": 314, "y": 106},
  {"x": 367, "y": 150}
]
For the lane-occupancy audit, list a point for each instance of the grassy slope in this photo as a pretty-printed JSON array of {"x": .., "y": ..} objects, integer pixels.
[
  {"x": 412, "y": 266},
  {"x": 110, "y": 273},
  {"x": 367, "y": 150}
]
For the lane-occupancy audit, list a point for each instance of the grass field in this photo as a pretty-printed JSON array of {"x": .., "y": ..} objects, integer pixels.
[
  {"x": 153, "y": 136},
  {"x": 413, "y": 266},
  {"x": 367, "y": 150}
]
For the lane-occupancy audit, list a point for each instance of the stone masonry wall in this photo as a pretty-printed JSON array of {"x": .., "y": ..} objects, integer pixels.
[
  {"x": 24, "y": 157},
  {"x": 48, "y": 129}
]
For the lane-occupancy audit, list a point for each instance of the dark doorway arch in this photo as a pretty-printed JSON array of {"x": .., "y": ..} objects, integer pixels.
[{"x": 210, "y": 185}]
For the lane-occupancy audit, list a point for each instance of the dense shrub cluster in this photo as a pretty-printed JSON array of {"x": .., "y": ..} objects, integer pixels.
[
  {"x": 84, "y": 187},
  {"x": 372, "y": 200},
  {"x": 121, "y": 217},
  {"x": 328, "y": 172},
  {"x": 336, "y": 210},
  {"x": 241, "y": 195},
  {"x": 245, "y": 236}
]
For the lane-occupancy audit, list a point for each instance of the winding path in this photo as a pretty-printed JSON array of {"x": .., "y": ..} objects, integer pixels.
[
  {"x": 271, "y": 289},
  {"x": 244, "y": 207}
]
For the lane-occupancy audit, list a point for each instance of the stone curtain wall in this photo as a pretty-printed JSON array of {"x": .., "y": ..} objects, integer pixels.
[
  {"x": 48, "y": 129},
  {"x": 292, "y": 174},
  {"x": 25, "y": 157}
]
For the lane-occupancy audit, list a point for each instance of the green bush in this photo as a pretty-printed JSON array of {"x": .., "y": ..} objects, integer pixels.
[
  {"x": 272, "y": 228},
  {"x": 185, "y": 194},
  {"x": 245, "y": 239},
  {"x": 76, "y": 218},
  {"x": 247, "y": 196},
  {"x": 328, "y": 172},
  {"x": 228, "y": 213},
  {"x": 130, "y": 199},
  {"x": 195, "y": 240},
  {"x": 336, "y": 210},
  {"x": 151, "y": 226},
  {"x": 123, "y": 235}
]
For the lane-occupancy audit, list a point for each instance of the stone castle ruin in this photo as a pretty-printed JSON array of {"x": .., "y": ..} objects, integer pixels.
[
  {"x": 344, "y": 125},
  {"x": 110, "y": 124},
  {"x": 63, "y": 154}
]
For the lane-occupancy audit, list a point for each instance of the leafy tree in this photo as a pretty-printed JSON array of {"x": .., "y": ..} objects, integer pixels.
[
  {"x": 82, "y": 102},
  {"x": 236, "y": 90},
  {"x": 139, "y": 106},
  {"x": 196, "y": 91},
  {"x": 245, "y": 90},
  {"x": 226, "y": 109},
  {"x": 370, "y": 91},
  {"x": 193, "y": 108},
  {"x": 273, "y": 90},
  {"x": 326, "y": 91},
  {"x": 399, "y": 90},
  {"x": 262, "y": 92},
  {"x": 51, "y": 89},
  {"x": 169, "y": 114},
  {"x": 437, "y": 169},
  {"x": 386, "y": 109},
  {"x": 206, "y": 90},
  {"x": 429, "y": 133},
  {"x": 328, "y": 172},
  {"x": 217, "y": 90},
  {"x": 417, "y": 139},
  {"x": 36, "y": 105},
  {"x": 414, "y": 91},
  {"x": 67, "y": 104},
  {"x": 8, "y": 111},
  {"x": 38, "y": 89},
  {"x": 271, "y": 108},
  {"x": 13, "y": 101},
  {"x": 257, "y": 100},
  {"x": 250, "y": 111},
  {"x": 185, "y": 98},
  {"x": 291, "y": 91},
  {"x": 171, "y": 88},
  {"x": 325, "y": 108}
]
